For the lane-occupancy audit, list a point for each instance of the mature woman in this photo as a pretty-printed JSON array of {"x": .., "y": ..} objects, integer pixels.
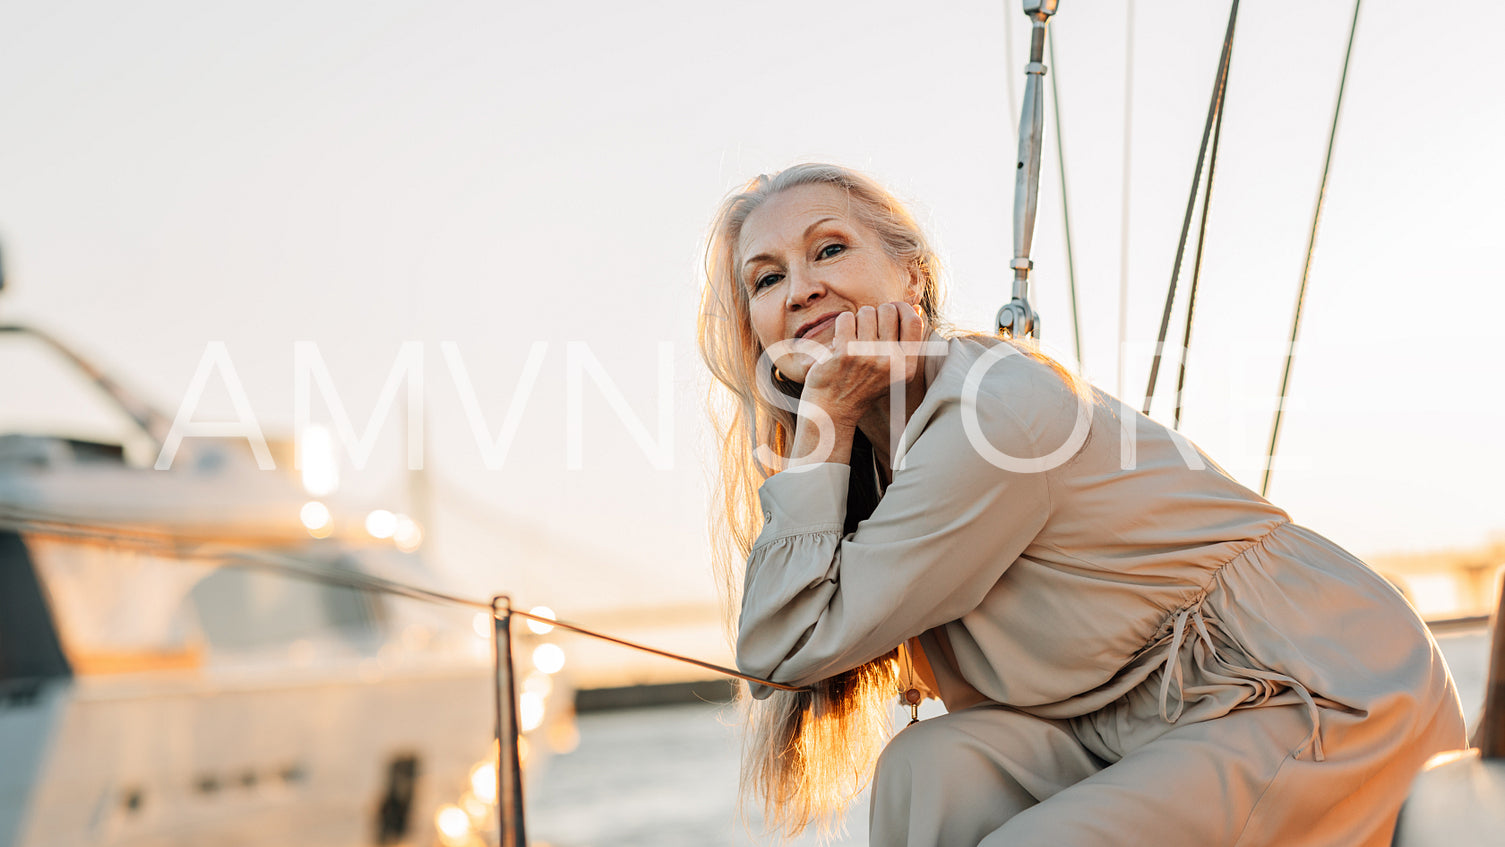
[{"x": 1131, "y": 646}]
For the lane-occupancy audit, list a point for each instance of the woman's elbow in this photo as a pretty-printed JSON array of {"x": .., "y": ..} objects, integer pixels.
[
  {"x": 755, "y": 655},
  {"x": 768, "y": 653}
]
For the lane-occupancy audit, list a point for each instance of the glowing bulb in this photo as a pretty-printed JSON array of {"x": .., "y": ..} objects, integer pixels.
[
  {"x": 530, "y": 710},
  {"x": 543, "y": 612},
  {"x": 452, "y": 822},
  {"x": 408, "y": 534},
  {"x": 483, "y": 782},
  {"x": 315, "y": 515},
  {"x": 381, "y": 523},
  {"x": 548, "y": 658},
  {"x": 321, "y": 473},
  {"x": 481, "y": 623}
]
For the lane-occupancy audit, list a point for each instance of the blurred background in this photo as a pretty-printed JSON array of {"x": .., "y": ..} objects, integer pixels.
[{"x": 521, "y": 194}]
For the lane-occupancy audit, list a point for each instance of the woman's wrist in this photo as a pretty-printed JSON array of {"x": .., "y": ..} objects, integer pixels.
[{"x": 821, "y": 437}]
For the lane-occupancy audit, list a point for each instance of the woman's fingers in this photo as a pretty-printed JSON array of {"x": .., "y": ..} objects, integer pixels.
[
  {"x": 910, "y": 326},
  {"x": 845, "y": 332},
  {"x": 867, "y": 324},
  {"x": 885, "y": 322},
  {"x": 888, "y": 322},
  {"x": 848, "y": 383}
]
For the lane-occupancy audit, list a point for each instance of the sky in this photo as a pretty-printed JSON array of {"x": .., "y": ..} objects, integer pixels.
[{"x": 536, "y": 180}]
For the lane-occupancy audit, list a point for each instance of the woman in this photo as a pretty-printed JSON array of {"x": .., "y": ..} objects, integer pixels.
[{"x": 1130, "y": 645}]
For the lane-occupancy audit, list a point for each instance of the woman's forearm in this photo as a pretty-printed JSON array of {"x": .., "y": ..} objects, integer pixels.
[{"x": 820, "y": 438}]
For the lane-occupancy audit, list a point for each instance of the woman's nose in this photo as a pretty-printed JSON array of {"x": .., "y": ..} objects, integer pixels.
[{"x": 804, "y": 288}]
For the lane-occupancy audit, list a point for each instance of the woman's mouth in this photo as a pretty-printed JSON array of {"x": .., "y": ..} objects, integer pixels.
[{"x": 817, "y": 325}]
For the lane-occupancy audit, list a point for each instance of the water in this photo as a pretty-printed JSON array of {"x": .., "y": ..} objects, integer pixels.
[
  {"x": 668, "y": 776},
  {"x": 664, "y": 776}
]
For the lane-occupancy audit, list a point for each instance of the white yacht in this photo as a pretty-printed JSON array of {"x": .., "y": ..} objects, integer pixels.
[{"x": 197, "y": 655}]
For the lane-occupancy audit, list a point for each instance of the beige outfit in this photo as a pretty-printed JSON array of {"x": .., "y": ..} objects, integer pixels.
[{"x": 1132, "y": 647}]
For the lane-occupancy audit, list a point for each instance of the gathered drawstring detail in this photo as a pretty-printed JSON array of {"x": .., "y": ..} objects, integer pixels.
[{"x": 1266, "y": 683}]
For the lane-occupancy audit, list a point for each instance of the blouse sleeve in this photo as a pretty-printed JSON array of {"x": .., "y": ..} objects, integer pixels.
[{"x": 816, "y": 603}]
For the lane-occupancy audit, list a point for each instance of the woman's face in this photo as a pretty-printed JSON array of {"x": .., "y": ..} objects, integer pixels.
[{"x": 807, "y": 259}]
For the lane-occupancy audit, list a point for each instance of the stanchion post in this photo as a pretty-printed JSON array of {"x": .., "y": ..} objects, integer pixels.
[
  {"x": 1490, "y": 736},
  {"x": 509, "y": 770}
]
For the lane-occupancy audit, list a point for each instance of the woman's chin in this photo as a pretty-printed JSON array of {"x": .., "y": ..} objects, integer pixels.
[{"x": 796, "y": 368}]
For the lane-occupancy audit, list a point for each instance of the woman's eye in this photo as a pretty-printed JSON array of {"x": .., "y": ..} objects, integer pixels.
[
  {"x": 830, "y": 250},
  {"x": 766, "y": 280}
]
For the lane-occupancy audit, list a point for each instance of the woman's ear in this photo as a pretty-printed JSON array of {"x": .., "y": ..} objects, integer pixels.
[{"x": 916, "y": 290}]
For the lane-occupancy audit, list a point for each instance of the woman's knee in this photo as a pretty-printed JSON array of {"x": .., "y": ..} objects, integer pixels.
[
  {"x": 980, "y": 741},
  {"x": 959, "y": 776}
]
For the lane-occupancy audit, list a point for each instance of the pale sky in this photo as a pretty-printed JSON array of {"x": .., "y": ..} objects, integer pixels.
[{"x": 496, "y": 175}]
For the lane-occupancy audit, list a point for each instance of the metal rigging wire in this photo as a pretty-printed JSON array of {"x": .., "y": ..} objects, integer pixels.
[
  {"x": 1008, "y": 60},
  {"x": 1311, "y": 246},
  {"x": 1123, "y": 221},
  {"x": 314, "y": 570},
  {"x": 1055, "y": 108},
  {"x": 1196, "y": 265},
  {"x": 1018, "y": 318},
  {"x": 1213, "y": 108}
]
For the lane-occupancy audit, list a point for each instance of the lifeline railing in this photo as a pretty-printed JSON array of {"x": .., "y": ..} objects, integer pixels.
[
  {"x": 508, "y": 758},
  {"x": 509, "y": 786}
]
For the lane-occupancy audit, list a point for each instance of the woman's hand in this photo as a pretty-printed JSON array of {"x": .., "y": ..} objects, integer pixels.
[{"x": 852, "y": 381}]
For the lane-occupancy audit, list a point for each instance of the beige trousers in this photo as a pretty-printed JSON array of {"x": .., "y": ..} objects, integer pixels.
[{"x": 993, "y": 776}]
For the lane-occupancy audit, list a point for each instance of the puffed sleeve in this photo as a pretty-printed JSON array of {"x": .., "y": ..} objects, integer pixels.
[{"x": 816, "y": 602}]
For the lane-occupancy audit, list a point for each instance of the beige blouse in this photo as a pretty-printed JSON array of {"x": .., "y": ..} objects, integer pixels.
[{"x": 1067, "y": 556}]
